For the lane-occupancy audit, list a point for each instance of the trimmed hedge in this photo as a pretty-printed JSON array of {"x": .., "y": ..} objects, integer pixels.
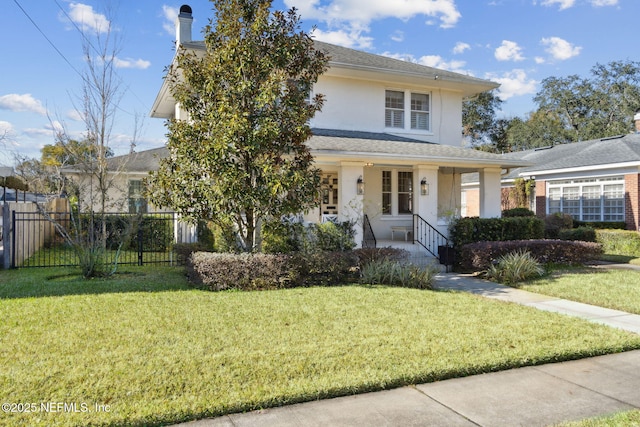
[
  {"x": 619, "y": 242},
  {"x": 516, "y": 212},
  {"x": 470, "y": 230},
  {"x": 481, "y": 255},
  {"x": 584, "y": 234},
  {"x": 222, "y": 271},
  {"x": 601, "y": 225}
]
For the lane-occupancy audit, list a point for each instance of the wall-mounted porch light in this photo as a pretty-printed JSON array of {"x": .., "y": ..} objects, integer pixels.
[
  {"x": 360, "y": 186},
  {"x": 424, "y": 187}
]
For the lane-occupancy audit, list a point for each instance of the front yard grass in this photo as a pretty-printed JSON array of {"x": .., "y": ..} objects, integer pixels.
[
  {"x": 610, "y": 288},
  {"x": 154, "y": 351}
]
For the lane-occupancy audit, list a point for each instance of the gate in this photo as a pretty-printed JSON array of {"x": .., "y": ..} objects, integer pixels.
[{"x": 128, "y": 239}]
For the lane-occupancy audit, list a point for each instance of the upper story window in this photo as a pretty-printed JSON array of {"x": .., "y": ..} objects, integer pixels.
[
  {"x": 137, "y": 202},
  {"x": 418, "y": 106},
  {"x": 394, "y": 109},
  {"x": 419, "y": 111}
]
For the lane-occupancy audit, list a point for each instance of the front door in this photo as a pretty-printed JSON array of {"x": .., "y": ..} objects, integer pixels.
[{"x": 329, "y": 194}]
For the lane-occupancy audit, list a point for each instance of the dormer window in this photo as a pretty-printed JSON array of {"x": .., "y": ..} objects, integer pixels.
[{"x": 418, "y": 105}]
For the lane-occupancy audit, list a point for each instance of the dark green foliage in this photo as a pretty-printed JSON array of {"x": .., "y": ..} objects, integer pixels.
[
  {"x": 222, "y": 271},
  {"x": 469, "y": 230},
  {"x": 481, "y": 255},
  {"x": 601, "y": 225},
  {"x": 556, "y": 222},
  {"x": 619, "y": 242},
  {"x": 287, "y": 237},
  {"x": 585, "y": 234},
  {"x": 516, "y": 212}
]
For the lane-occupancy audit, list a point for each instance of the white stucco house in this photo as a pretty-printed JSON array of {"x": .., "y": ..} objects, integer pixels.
[{"x": 388, "y": 141}]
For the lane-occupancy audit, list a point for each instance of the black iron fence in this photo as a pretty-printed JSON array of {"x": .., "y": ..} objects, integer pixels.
[{"x": 128, "y": 239}]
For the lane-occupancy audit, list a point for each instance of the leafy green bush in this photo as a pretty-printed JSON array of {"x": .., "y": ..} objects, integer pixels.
[
  {"x": 282, "y": 237},
  {"x": 516, "y": 212},
  {"x": 601, "y": 225},
  {"x": 515, "y": 267},
  {"x": 331, "y": 237},
  {"x": 470, "y": 230},
  {"x": 585, "y": 234},
  {"x": 184, "y": 250},
  {"x": 556, "y": 222},
  {"x": 619, "y": 242},
  {"x": 481, "y": 255},
  {"x": 394, "y": 273}
]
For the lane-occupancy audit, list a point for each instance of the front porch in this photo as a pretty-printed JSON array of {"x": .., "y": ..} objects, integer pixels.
[{"x": 417, "y": 255}]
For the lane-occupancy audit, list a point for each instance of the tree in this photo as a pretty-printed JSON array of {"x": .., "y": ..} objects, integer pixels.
[
  {"x": 539, "y": 129},
  {"x": 241, "y": 157},
  {"x": 598, "y": 107},
  {"x": 88, "y": 177},
  {"x": 479, "y": 122}
]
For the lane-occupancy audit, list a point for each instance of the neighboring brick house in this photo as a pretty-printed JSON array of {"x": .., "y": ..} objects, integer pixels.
[{"x": 594, "y": 181}]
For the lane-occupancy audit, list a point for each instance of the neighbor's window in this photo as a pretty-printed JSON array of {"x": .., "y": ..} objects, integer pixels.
[
  {"x": 592, "y": 199},
  {"x": 419, "y": 111},
  {"x": 394, "y": 109},
  {"x": 137, "y": 203}
]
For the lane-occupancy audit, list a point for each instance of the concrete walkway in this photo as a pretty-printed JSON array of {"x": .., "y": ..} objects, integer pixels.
[{"x": 532, "y": 396}]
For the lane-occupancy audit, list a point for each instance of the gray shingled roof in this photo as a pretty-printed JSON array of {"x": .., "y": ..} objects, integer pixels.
[
  {"x": 595, "y": 152},
  {"x": 348, "y": 143},
  {"x": 345, "y": 56}
]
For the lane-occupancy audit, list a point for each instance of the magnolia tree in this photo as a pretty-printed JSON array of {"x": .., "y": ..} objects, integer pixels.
[{"x": 241, "y": 156}]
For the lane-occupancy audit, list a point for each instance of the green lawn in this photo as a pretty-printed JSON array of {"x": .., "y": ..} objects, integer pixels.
[
  {"x": 152, "y": 350},
  {"x": 621, "y": 419},
  {"x": 616, "y": 289}
]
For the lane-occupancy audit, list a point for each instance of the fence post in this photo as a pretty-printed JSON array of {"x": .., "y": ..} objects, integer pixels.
[
  {"x": 140, "y": 257},
  {"x": 6, "y": 234},
  {"x": 13, "y": 240}
]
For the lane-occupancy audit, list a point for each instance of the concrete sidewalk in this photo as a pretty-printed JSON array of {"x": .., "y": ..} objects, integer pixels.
[{"x": 531, "y": 396}]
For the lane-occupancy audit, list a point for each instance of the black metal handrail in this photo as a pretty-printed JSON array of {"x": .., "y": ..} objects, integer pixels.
[
  {"x": 436, "y": 243},
  {"x": 368, "y": 239}
]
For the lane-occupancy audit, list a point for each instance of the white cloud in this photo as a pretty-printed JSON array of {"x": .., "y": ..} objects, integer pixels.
[
  {"x": 140, "y": 64},
  {"x": 560, "y": 49},
  {"x": 460, "y": 47},
  {"x": 86, "y": 18},
  {"x": 352, "y": 39},
  {"x": 513, "y": 83},
  {"x": 6, "y": 129},
  {"x": 397, "y": 36},
  {"x": 25, "y": 102},
  {"x": 75, "y": 115},
  {"x": 170, "y": 15},
  {"x": 564, "y": 4},
  {"x": 600, "y": 3},
  {"x": 539, "y": 60},
  {"x": 365, "y": 11},
  {"x": 509, "y": 51}
]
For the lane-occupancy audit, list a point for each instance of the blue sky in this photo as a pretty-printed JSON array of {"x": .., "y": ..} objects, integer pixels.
[{"x": 517, "y": 43}]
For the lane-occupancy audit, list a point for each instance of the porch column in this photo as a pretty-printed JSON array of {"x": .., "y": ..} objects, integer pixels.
[
  {"x": 426, "y": 205},
  {"x": 490, "y": 194},
  {"x": 351, "y": 203}
]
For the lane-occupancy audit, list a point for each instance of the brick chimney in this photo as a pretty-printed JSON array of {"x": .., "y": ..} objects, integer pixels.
[
  {"x": 636, "y": 121},
  {"x": 183, "y": 25}
]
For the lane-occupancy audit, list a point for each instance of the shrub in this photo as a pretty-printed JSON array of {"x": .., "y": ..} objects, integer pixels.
[
  {"x": 470, "y": 230},
  {"x": 601, "y": 225},
  {"x": 367, "y": 255},
  {"x": 244, "y": 271},
  {"x": 517, "y": 212},
  {"x": 585, "y": 234},
  {"x": 480, "y": 255},
  {"x": 330, "y": 236},
  {"x": 515, "y": 267},
  {"x": 184, "y": 250},
  {"x": 394, "y": 273},
  {"x": 555, "y": 222},
  {"x": 619, "y": 242}
]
